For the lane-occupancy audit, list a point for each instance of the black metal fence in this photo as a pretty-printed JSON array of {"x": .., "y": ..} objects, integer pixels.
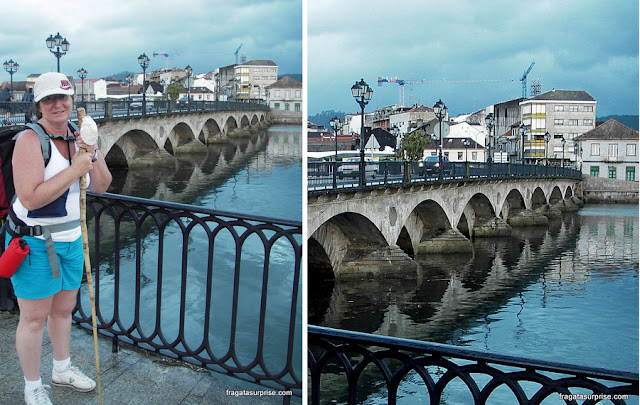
[
  {"x": 336, "y": 175},
  {"x": 347, "y": 360},
  {"x": 212, "y": 288},
  {"x": 19, "y": 113}
]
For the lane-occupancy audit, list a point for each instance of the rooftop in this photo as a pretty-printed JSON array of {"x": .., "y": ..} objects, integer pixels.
[
  {"x": 610, "y": 129},
  {"x": 564, "y": 95}
]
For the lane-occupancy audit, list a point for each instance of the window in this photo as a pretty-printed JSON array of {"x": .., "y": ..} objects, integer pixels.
[
  {"x": 277, "y": 93},
  {"x": 588, "y": 108},
  {"x": 559, "y": 108},
  {"x": 286, "y": 106},
  {"x": 595, "y": 149},
  {"x": 298, "y": 93},
  {"x": 612, "y": 172},
  {"x": 558, "y": 122},
  {"x": 631, "y": 173},
  {"x": 276, "y": 106},
  {"x": 573, "y": 122},
  {"x": 613, "y": 149},
  {"x": 631, "y": 149},
  {"x": 557, "y": 136},
  {"x": 595, "y": 171},
  {"x": 588, "y": 122},
  {"x": 474, "y": 156},
  {"x": 573, "y": 108},
  {"x": 298, "y": 107},
  {"x": 460, "y": 155}
]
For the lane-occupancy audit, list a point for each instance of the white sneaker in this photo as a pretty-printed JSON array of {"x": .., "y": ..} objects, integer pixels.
[
  {"x": 39, "y": 396},
  {"x": 72, "y": 377}
]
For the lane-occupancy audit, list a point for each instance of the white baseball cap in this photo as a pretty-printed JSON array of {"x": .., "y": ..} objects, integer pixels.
[{"x": 51, "y": 83}]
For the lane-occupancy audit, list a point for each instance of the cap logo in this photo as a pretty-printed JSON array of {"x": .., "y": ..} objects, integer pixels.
[{"x": 65, "y": 85}]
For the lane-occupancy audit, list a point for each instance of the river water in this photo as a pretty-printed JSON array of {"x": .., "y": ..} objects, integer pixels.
[
  {"x": 566, "y": 293},
  {"x": 258, "y": 175}
]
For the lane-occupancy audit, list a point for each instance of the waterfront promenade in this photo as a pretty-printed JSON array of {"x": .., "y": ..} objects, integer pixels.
[{"x": 129, "y": 376}]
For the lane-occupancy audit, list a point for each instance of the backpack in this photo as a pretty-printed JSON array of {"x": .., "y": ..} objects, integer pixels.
[{"x": 7, "y": 192}]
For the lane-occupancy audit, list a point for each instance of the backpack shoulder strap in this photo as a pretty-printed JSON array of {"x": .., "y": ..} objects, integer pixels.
[
  {"x": 73, "y": 127},
  {"x": 44, "y": 141}
]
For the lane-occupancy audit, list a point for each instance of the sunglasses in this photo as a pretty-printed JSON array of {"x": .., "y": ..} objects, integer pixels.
[{"x": 54, "y": 97}]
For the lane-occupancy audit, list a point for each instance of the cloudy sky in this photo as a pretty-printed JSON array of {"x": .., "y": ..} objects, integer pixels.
[
  {"x": 108, "y": 36},
  {"x": 576, "y": 45}
]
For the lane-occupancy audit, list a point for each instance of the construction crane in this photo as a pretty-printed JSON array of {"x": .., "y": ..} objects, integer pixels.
[
  {"x": 166, "y": 58},
  {"x": 402, "y": 83},
  {"x": 236, "y": 53},
  {"x": 523, "y": 79}
]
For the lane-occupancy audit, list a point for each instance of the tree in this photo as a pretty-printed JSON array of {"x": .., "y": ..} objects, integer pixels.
[
  {"x": 173, "y": 91},
  {"x": 413, "y": 145}
]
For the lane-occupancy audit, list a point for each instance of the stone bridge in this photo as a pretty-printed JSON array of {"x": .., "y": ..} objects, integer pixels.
[
  {"x": 377, "y": 232},
  {"x": 155, "y": 139}
]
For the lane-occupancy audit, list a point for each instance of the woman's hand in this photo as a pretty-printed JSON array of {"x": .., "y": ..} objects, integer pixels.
[
  {"x": 82, "y": 145},
  {"x": 82, "y": 163}
]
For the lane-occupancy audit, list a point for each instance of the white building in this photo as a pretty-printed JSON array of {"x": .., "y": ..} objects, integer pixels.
[
  {"x": 285, "y": 94},
  {"x": 565, "y": 115},
  {"x": 610, "y": 150},
  {"x": 252, "y": 79}
]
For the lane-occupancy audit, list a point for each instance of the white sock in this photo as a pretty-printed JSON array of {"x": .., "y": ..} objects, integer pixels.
[
  {"x": 61, "y": 365},
  {"x": 31, "y": 385}
]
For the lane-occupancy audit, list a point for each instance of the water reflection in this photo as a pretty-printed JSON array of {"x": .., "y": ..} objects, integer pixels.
[
  {"x": 556, "y": 294},
  {"x": 455, "y": 293}
]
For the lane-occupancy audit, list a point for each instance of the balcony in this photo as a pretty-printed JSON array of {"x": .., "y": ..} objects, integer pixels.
[{"x": 612, "y": 159}]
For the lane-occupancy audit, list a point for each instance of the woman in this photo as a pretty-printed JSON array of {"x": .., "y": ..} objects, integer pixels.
[{"x": 46, "y": 196}]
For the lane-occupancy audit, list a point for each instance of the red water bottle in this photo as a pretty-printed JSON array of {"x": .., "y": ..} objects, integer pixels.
[{"x": 13, "y": 257}]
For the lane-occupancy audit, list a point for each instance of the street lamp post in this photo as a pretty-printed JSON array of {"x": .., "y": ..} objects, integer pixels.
[
  {"x": 440, "y": 111},
  {"x": 336, "y": 124},
  {"x": 523, "y": 132},
  {"x": 82, "y": 74},
  {"x": 362, "y": 93},
  {"x": 547, "y": 138},
  {"x": 563, "y": 142},
  {"x": 189, "y": 72},
  {"x": 129, "y": 79},
  {"x": 60, "y": 44},
  {"x": 489, "y": 121},
  {"x": 11, "y": 67},
  {"x": 143, "y": 61}
]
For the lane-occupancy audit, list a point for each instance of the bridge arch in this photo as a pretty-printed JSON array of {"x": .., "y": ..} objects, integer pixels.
[
  {"x": 137, "y": 147},
  {"x": 538, "y": 199},
  {"x": 346, "y": 240},
  {"x": 428, "y": 220},
  {"x": 512, "y": 205}
]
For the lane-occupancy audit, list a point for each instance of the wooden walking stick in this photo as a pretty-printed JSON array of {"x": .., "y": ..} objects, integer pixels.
[{"x": 85, "y": 245}]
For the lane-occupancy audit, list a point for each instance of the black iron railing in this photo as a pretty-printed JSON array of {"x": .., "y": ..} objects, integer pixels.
[
  {"x": 338, "y": 175},
  {"x": 349, "y": 359},
  {"x": 212, "y": 288},
  {"x": 17, "y": 113}
]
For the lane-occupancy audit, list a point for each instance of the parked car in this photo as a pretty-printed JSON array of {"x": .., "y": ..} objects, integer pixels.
[
  {"x": 182, "y": 101},
  {"x": 430, "y": 166},
  {"x": 351, "y": 168}
]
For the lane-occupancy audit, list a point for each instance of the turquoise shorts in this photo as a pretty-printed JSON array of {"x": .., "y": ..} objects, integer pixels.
[{"x": 33, "y": 279}]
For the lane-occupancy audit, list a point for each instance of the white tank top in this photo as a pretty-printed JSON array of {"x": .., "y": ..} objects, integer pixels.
[{"x": 64, "y": 209}]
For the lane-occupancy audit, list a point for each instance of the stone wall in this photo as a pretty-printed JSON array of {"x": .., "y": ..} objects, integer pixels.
[
  {"x": 285, "y": 117},
  {"x": 600, "y": 189}
]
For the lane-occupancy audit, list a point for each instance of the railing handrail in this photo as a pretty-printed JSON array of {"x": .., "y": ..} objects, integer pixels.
[
  {"x": 268, "y": 248},
  {"x": 340, "y": 352},
  {"x": 201, "y": 210},
  {"x": 445, "y": 350},
  {"x": 329, "y": 176}
]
